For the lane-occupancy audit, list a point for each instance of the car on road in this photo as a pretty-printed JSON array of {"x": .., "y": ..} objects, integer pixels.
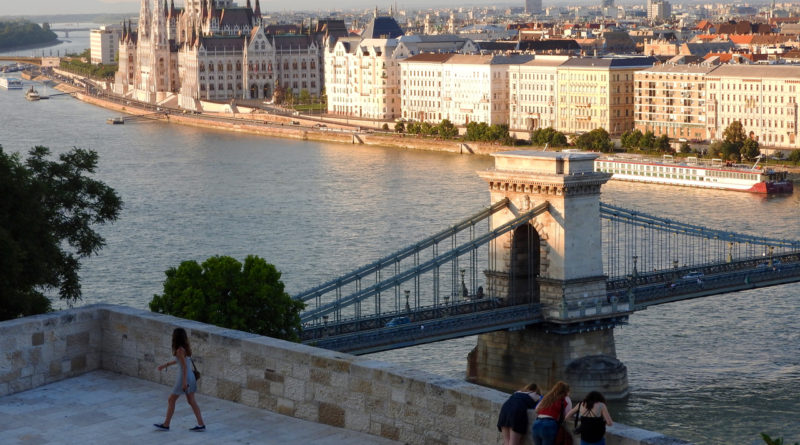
[
  {"x": 397, "y": 321},
  {"x": 693, "y": 275}
]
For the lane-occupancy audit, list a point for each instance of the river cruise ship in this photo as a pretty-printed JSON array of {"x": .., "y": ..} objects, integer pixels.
[
  {"x": 693, "y": 172},
  {"x": 10, "y": 83}
]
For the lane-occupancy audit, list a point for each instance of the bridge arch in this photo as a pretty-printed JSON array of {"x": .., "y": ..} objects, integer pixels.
[{"x": 525, "y": 267}]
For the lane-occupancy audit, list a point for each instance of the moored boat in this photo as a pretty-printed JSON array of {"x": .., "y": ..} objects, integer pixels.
[
  {"x": 10, "y": 83},
  {"x": 693, "y": 172}
]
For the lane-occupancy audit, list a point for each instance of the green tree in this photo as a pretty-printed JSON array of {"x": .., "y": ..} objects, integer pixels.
[
  {"x": 631, "y": 139},
  {"x": 750, "y": 149},
  {"x": 225, "y": 293},
  {"x": 549, "y": 136},
  {"x": 595, "y": 140},
  {"x": 385, "y": 127},
  {"x": 47, "y": 212},
  {"x": 662, "y": 143},
  {"x": 731, "y": 151},
  {"x": 647, "y": 141},
  {"x": 446, "y": 129},
  {"x": 304, "y": 97},
  {"x": 400, "y": 127},
  {"x": 794, "y": 156},
  {"x": 686, "y": 148},
  {"x": 734, "y": 133}
]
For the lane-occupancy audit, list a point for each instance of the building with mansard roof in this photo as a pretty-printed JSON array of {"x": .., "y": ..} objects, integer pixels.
[
  {"x": 212, "y": 50},
  {"x": 362, "y": 74}
]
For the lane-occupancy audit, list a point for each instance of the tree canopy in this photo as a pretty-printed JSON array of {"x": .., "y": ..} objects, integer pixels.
[
  {"x": 595, "y": 140},
  {"x": 549, "y": 136},
  {"x": 223, "y": 292},
  {"x": 47, "y": 212},
  {"x": 22, "y": 32}
]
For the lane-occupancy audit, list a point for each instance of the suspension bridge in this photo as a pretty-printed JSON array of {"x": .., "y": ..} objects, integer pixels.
[{"x": 547, "y": 258}]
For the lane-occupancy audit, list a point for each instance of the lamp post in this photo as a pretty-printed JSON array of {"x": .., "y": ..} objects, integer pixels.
[
  {"x": 325, "y": 325},
  {"x": 408, "y": 307}
]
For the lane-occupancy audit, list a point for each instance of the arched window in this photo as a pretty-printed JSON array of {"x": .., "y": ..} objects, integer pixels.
[
  {"x": 219, "y": 66},
  {"x": 230, "y": 66},
  {"x": 238, "y": 65},
  {"x": 211, "y": 67}
]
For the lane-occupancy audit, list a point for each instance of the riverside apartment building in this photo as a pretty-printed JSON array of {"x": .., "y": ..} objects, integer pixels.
[
  {"x": 458, "y": 87},
  {"x": 696, "y": 102},
  {"x": 598, "y": 93}
]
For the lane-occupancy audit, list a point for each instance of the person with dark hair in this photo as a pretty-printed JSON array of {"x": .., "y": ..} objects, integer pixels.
[
  {"x": 593, "y": 417},
  {"x": 185, "y": 382},
  {"x": 513, "y": 420},
  {"x": 550, "y": 412}
]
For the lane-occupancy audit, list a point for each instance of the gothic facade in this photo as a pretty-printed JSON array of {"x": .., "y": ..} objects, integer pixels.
[{"x": 212, "y": 50}]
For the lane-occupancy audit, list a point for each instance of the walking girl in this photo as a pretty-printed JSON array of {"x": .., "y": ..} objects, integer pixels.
[{"x": 185, "y": 382}]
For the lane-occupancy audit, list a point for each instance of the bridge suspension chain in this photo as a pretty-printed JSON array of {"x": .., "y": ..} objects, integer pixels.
[
  {"x": 433, "y": 264},
  {"x": 402, "y": 254},
  {"x": 638, "y": 243}
]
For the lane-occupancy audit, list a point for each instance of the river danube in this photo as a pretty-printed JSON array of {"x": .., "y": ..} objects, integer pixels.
[{"x": 718, "y": 370}]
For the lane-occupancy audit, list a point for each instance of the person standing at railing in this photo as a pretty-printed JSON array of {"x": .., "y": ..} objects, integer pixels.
[{"x": 513, "y": 420}]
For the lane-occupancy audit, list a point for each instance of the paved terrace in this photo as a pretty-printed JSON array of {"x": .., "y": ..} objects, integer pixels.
[
  {"x": 104, "y": 407},
  {"x": 88, "y": 375}
]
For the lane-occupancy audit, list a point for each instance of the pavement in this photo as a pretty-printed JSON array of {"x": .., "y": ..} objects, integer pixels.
[{"x": 102, "y": 407}]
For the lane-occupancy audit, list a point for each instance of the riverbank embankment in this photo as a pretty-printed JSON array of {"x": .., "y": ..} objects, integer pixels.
[
  {"x": 314, "y": 128},
  {"x": 295, "y": 127}
]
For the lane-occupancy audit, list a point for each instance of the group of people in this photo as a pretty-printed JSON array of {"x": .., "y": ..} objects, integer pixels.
[{"x": 552, "y": 410}]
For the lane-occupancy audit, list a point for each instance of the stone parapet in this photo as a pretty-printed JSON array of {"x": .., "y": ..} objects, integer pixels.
[{"x": 328, "y": 387}]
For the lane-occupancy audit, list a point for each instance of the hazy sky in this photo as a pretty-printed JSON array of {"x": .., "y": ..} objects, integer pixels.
[{"x": 37, "y": 7}]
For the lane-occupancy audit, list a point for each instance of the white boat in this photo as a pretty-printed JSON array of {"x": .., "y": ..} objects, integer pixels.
[
  {"x": 693, "y": 172},
  {"x": 10, "y": 83},
  {"x": 32, "y": 94}
]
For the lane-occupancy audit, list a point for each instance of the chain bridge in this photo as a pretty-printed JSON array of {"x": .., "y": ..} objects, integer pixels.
[{"x": 547, "y": 267}]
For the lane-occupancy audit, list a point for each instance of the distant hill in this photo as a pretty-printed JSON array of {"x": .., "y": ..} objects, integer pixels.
[{"x": 22, "y": 33}]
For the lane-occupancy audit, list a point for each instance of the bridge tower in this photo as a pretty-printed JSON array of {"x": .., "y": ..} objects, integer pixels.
[{"x": 555, "y": 260}]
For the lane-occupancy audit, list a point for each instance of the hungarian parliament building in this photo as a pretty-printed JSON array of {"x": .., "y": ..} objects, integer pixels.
[{"x": 216, "y": 51}]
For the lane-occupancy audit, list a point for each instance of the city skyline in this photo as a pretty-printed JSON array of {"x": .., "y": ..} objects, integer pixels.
[{"x": 51, "y": 7}]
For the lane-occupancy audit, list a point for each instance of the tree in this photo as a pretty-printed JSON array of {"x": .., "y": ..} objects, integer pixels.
[
  {"x": 686, "y": 148},
  {"x": 595, "y": 140},
  {"x": 549, "y": 136},
  {"x": 750, "y": 149},
  {"x": 731, "y": 151},
  {"x": 631, "y": 139},
  {"x": 794, "y": 156},
  {"x": 734, "y": 133},
  {"x": 225, "y": 293},
  {"x": 662, "y": 143},
  {"x": 400, "y": 127},
  {"x": 446, "y": 129},
  {"x": 47, "y": 212},
  {"x": 304, "y": 97}
]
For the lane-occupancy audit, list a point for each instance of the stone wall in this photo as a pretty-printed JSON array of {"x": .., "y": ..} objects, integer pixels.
[
  {"x": 323, "y": 386},
  {"x": 35, "y": 351}
]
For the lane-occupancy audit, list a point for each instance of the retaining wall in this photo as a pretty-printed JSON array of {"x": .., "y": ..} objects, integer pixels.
[{"x": 322, "y": 386}]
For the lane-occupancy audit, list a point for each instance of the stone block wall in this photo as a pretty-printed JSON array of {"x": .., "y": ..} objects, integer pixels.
[
  {"x": 328, "y": 387},
  {"x": 35, "y": 351}
]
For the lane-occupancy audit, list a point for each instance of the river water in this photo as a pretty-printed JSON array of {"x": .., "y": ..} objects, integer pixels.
[{"x": 718, "y": 370}]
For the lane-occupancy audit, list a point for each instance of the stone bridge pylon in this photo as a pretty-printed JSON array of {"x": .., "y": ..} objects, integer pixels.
[{"x": 555, "y": 260}]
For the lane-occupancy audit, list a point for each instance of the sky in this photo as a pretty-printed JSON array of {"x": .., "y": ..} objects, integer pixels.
[{"x": 38, "y": 7}]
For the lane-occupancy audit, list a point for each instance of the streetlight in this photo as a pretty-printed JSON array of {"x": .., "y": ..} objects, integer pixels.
[{"x": 408, "y": 307}]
